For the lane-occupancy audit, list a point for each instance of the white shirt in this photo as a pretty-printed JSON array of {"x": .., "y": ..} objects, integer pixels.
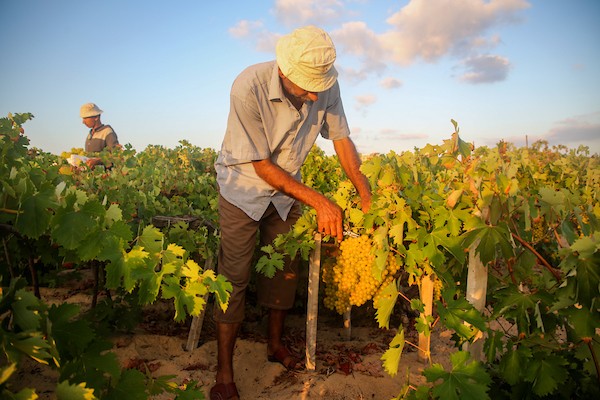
[{"x": 264, "y": 124}]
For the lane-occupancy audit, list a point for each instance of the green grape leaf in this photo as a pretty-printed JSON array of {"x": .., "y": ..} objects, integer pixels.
[
  {"x": 174, "y": 254},
  {"x": 185, "y": 298},
  {"x": 586, "y": 274},
  {"x": 417, "y": 305},
  {"x": 513, "y": 304},
  {"x": 493, "y": 345},
  {"x": 457, "y": 311},
  {"x": 218, "y": 285},
  {"x": 131, "y": 386},
  {"x": 490, "y": 237},
  {"x": 442, "y": 237},
  {"x": 391, "y": 357},
  {"x": 36, "y": 213},
  {"x": 71, "y": 226},
  {"x": 151, "y": 240},
  {"x": 150, "y": 280},
  {"x": 583, "y": 321},
  {"x": 121, "y": 269},
  {"x": 25, "y": 394},
  {"x": 511, "y": 364},
  {"x": 465, "y": 381},
  {"x": 6, "y": 372},
  {"x": 545, "y": 372},
  {"x": 71, "y": 336},
  {"x": 270, "y": 262},
  {"x": 91, "y": 246},
  {"x": 356, "y": 216},
  {"x": 67, "y": 391},
  {"x": 113, "y": 214},
  {"x": 32, "y": 344},
  {"x": 384, "y": 304},
  {"x": 26, "y": 310},
  {"x": 453, "y": 198},
  {"x": 94, "y": 366},
  {"x": 586, "y": 247},
  {"x": 397, "y": 232}
]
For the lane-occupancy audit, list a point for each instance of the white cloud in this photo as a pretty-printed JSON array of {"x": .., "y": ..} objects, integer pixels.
[
  {"x": 485, "y": 69},
  {"x": 390, "y": 83},
  {"x": 316, "y": 12},
  {"x": 255, "y": 32},
  {"x": 421, "y": 30},
  {"x": 570, "y": 132},
  {"x": 580, "y": 129},
  {"x": 245, "y": 29},
  {"x": 364, "y": 101},
  {"x": 355, "y": 38},
  {"x": 431, "y": 29}
]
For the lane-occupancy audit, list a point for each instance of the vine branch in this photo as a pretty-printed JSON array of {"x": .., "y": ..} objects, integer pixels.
[
  {"x": 545, "y": 263},
  {"x": 591, "y": 347}
]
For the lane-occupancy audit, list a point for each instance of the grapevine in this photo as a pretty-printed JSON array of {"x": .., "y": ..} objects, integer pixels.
[{"x": 530, "y": 215}]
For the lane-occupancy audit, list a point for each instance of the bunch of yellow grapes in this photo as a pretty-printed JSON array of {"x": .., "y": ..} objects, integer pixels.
[{"x": 351, "y": 281}]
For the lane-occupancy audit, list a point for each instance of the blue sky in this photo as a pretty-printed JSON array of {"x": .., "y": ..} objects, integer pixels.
[{"x": 161, "y": 71}]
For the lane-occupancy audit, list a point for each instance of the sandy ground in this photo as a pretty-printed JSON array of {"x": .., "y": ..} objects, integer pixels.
[{"x": 345, "y": 369}]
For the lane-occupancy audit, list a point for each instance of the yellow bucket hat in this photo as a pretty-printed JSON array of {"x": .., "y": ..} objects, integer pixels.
[
  {"x": 89, "y": 110},
  {"x": 306, "y": 58}
]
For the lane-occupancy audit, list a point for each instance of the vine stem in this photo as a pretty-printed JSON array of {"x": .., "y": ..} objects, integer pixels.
[
  {"x": 34, "y": 277},
  {"x": 546, "y": 264},
  {"x": 589, "y": 344},
  {"x": 416, "y": 347},
  {"x": 6, "y": 255},
  {"x": 10, "y": 211}
]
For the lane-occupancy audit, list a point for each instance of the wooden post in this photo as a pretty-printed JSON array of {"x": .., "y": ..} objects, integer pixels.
[
  {"x": 477, "y": 277},
  {"x": 196, "y": 326},
  {"x": 348, "y": 323},
  {"x": 312, "y": 308},
  {"x": 426, "y": 293}
]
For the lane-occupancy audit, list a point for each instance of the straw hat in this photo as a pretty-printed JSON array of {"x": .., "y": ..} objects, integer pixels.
[
  {"x": 89, "y": 110},
  {"x": 306, "y": 58}
]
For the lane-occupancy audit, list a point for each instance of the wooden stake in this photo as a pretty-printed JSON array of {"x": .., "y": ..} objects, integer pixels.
[
  {"x": 348, "y": 323},
  {"x": 196, "y": 326},
  {"x": 426, "y": 293},
  {"x": 313, "y": 303},
  {"x": 477, "y": 277}
]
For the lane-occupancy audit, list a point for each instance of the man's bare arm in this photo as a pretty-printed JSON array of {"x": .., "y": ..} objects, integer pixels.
[
  {"x": 329, "y": 214},
  {"x": 350, "y": 162}
]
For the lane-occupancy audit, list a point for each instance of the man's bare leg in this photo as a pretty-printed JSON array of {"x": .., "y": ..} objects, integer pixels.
[
  {"x": 276, "y": 322},
  {"x": 226, "y": 337},
  {"x": 276, "y": 350}
]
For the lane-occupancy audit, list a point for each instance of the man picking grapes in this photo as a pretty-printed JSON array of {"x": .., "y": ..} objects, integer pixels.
[{"x": 277, "y": 110}]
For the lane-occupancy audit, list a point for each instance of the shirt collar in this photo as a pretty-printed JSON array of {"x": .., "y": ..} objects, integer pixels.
[{"x": 275, "y": 88}]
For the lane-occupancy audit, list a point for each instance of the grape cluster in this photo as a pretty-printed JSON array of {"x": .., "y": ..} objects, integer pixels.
[{"x": 350, "y": 280}]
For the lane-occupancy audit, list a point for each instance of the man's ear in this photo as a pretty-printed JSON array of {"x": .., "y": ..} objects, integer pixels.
[{"x": 281, "y": 75}]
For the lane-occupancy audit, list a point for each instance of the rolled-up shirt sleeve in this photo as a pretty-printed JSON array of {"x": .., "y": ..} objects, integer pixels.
[{"x": 335, "y": 124}]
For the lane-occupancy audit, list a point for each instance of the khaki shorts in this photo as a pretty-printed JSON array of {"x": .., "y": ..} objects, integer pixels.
[{"x": 235, "y": 261}]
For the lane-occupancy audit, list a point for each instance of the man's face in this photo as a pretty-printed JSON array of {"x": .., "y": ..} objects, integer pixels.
[
  {"x": 90, "y": 121},
  {"x": 296, "y": 91}
]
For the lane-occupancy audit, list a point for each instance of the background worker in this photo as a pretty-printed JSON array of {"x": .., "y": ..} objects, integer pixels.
[
  {"x": 100, "y": 136},
  {"x": 277, "y": 110}
]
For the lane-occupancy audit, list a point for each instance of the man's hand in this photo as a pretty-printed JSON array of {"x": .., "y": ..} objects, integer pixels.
[
  {"x": 330, "y": 219},
  {"x": 93, "y": 162}
]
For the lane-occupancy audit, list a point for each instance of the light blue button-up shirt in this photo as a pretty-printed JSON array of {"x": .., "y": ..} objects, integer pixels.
[{"x": 264, "y": 124}]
